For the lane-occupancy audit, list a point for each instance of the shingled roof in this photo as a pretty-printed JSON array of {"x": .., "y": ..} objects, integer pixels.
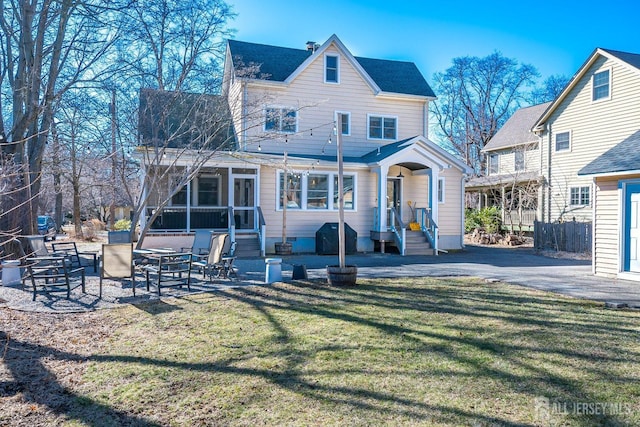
[
  {"x": 632, "y": 59},
  {"x": 624, "y": 157},
  {"x": 278, "y": 63},
  {"x": 517, "y": 130}
]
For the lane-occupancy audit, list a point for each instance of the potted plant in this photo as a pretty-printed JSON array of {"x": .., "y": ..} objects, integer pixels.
[{"x": 342, "y": 274}]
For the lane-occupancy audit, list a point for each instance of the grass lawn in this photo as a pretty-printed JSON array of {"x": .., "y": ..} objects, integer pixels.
[{"x": 388, "y": 352}]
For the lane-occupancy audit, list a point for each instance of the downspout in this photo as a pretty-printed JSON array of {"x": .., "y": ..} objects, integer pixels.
[
  {"x": 462, "y": 211},
  {"x": 549, "y": 140},
  {"x": 425, "y": 120}
]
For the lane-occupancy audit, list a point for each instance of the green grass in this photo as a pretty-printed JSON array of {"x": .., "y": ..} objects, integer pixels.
[{"x": 387, "y": 352}]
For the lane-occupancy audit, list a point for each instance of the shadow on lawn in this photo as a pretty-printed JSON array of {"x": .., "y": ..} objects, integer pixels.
[
  {"x": 481, "y": 303},
  {"x": 538, "y": 312},
  {"x": 38, "y": 385}
]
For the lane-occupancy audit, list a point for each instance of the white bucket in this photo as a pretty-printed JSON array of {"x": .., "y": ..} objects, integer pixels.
[{"x": 10, "y": 273}]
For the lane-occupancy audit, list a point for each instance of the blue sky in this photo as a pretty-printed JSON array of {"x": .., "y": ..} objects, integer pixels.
[{"x": 554, "y": 36}]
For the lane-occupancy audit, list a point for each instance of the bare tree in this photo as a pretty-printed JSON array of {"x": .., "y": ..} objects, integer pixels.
[
  {"x": 48, "y": 46},
  {"x": 550, "y": 89},
  {"x": 475, "y": 97}
]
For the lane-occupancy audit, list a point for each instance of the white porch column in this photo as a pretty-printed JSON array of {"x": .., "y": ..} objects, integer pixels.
[
  {"x": 433, "y": 193},
  {"x": 188, "y": 206},
  {"x": 382, "y": 172}
]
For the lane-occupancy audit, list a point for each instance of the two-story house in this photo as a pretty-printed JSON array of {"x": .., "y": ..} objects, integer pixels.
[
  {"x": 514, "y": 172},
  {"x": 593, "y": 130},
  {"x": 285, "y": 105}
]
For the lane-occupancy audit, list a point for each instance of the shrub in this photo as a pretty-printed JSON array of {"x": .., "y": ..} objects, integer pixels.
[
  {"x": 122, "y": 224},
  {"x": 488, "y": 218}
]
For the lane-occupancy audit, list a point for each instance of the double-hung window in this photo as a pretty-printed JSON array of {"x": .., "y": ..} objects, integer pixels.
[
  {"x": 281, "y": 119},
  {"x": 383, "y": 127},
  {"x": 331, "y": 69},
  {"x": 563, "y": 141},
  {"x": 580, "y": 196},
  {"x": 317, "y": 191},
  {"x": 345, "y": 119},
  {"x": 348, "y": 192},
  {"x": 494, "y": 164},
  {"x": 601, "y": 85},
  {"x": 293, "y": 190},
  {"x": 519, "y": 160}
]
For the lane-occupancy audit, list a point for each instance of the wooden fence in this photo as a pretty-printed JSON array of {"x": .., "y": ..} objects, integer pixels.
[{"x": 567, "y": 236}]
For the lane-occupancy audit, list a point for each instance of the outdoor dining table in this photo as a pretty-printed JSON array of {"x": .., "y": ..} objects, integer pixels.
[{"x": 165, "y": 264}]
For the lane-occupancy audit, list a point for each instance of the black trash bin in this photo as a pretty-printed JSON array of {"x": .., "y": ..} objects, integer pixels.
[{"x": 327, "y": 239}]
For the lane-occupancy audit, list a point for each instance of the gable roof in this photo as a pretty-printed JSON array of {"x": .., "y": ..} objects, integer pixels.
[
  {"x": 179, "y": 119},
  {"x": 517, "y": 130},
  {"x": 279, "y": 64},
  {"x": 630, "y": 59},
  {"x": 624, "y": 157}
]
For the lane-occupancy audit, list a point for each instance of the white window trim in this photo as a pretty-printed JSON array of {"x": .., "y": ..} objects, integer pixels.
[
  {"x": 280, "y": 107},
  {"x": 337, "y": 56},
  {"x": 331, "y": 175},
  {"x": 580, "y": 187},
  {"x": 382, "y": 116},
  {"x": 607, "y": 98},
  {"x": 555, "y": 145},
  {"x": 196, "y": 189},
  {"x": 335, "y": 115},
  {"x": 441, "y": 190}
]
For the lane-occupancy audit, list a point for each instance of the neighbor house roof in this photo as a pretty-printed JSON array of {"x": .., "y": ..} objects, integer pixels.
[
  {"x": 631, "y": 59},
  {"x": 624, "y": 157},
  {"x": 517, "y": 130},
  {"x": 178, "y": 119},
  {"x": 278, "y": 63},
  {"x": 494, "y": 181}
]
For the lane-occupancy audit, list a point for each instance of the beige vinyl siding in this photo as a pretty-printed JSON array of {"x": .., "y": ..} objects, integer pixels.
[
  {"x": 507, "y": 160},
  {"x": 305, "y": 223},
  {"x": 450, "y": 213},
  {"x": 317, "y": 103},
  {"x": 595, "y": 127},
  {"x": 606, "y": 228}
]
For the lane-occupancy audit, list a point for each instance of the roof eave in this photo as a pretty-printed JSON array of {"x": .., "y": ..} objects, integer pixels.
[{"x": 611, "y": 174}]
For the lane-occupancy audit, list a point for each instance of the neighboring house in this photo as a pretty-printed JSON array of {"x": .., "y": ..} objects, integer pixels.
[
  {"x": 616, "y": 209},
  {"x": 591, "y": 142},
  {"x": 284, "y": 104},
  {"x": 514, "y": 174}
]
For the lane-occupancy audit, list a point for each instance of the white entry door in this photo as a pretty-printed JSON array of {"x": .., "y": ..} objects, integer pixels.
[{"x": 633, "y": 244}]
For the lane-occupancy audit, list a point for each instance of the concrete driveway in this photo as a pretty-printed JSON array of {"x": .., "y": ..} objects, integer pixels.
[{"x": 513, "y": 265}]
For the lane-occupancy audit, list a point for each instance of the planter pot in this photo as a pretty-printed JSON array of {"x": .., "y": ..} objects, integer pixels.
[
  {"x": 283, "y": 248},
  {"x": 345, "y": 276}
]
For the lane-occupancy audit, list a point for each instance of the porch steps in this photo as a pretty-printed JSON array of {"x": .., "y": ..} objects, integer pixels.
[
  {"x": 247, "y": 245},
  {"x": 417, "y": 244}
]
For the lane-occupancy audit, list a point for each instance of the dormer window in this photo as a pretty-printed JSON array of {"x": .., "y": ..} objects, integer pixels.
[
  {"x": 331, "y": 69},
  {"x": 601, "y": 84}
]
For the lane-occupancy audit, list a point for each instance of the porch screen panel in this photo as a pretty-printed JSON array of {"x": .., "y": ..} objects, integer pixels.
[{"x": 208, "y": 192}]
